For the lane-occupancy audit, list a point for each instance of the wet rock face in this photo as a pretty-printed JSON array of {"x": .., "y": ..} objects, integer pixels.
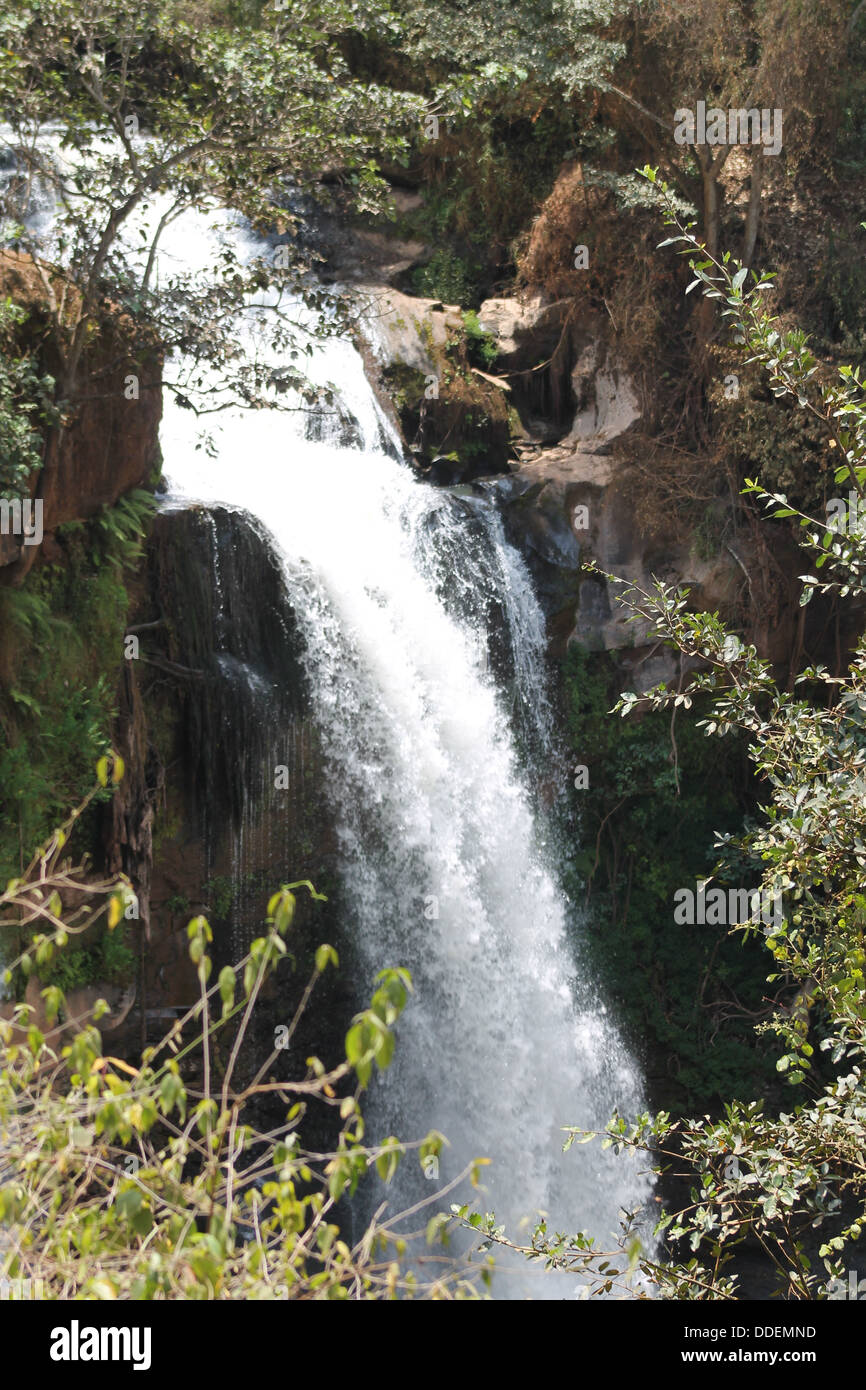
[
  {"x": 346, "y": 253},
  {"x": 564, "y": 506},
  {"x": 223, "y": 798},
  {"x": 537, "y": 523},
  {"x": 561, "y": 504},
  {"x": 560, "y": 501},
  {"x": 333, "y": 425},
  {"x": 224, "y": 677},
  {"x": 407, "y": 330},
  {"x": 565, "y": 499}
]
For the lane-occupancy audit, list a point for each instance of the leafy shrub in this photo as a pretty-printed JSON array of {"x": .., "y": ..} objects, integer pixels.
[
  {"x": 61, "y": 638},
  {"x": 154, "y": 1180},
  {"x": 446, "y": 276},
  {"x": 481, "y": 345},
  {"x": 791, "y": 1181},
  {"x": 110, "y": 961}
]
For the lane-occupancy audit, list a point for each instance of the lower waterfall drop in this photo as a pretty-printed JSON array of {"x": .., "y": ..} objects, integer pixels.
[{"x": 446, "y": 863}]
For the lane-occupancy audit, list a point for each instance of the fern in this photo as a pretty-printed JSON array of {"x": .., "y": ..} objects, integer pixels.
[
  {"x": 121, "y": 529},
  {"x": 28, "y": 614}
]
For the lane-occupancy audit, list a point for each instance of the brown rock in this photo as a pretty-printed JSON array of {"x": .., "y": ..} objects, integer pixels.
[{"x": 108, "y": 444}]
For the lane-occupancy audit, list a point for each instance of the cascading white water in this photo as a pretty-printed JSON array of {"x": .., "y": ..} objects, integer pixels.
[
  {"x": 442, "y": 847},
  {"x": 505, "y": 1041}
]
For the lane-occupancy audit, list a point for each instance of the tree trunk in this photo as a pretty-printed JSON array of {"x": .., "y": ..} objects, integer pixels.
[
  {"x": 712, "y": 209},
  {"x": 753, "y": 214},
  {"x": 712, "y": 235}
]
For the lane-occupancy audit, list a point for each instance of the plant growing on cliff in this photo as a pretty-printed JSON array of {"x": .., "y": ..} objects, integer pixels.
[
  {"x": 152, "y": 1179},
  {"x": 480, "y": 343},
  {"x": 60, "y": 636},
  {"x": 792, "y": 1181},
  {"x": 511, "y": 89},
  {"x": 25, "y": 405}
]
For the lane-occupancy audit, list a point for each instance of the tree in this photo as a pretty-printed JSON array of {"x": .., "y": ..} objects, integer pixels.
[
  {"x": 117, "y": 111},
  {"x": 736, "y": 58},
  {"x": 524, "y": 53}
]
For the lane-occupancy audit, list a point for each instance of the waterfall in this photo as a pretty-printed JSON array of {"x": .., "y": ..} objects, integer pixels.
[
  {"x": 424, "y": 652},
  {"x": 447, "y": 864}
]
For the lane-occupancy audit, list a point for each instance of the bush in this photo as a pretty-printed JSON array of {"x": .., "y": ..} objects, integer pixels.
[
  {"x": 446, "y": 276},
  {"x": 647, "y": 821},
  {"x": 62, "y": 638},
  {"x": 481, "y": 345},
  {"x": 153, "y": 1181}
]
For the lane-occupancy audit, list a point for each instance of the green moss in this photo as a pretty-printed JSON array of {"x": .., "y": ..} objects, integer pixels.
[
  {"x": 468, "y": 422},
  {"x": 219, "y": 893},
  {"x": 425, "y": 329},
  {"x": 405, "y": 385}
]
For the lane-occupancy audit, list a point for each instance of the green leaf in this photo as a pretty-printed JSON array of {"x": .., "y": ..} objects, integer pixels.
[
  {"x": 227, "y": 986},
  {"x": 325, "y": 955}
]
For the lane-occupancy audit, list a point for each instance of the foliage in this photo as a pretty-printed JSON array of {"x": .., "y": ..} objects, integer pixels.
[
  {"x": 153, "y": 1180},
  {"x": 842, "y": 286},
  {"x": 220, "y": 892},
  {"x": 119, "y": 531},
  {"x": 689, "y": 994},
  {"x": 481, "y": 345},
  {"x": 257, "y": 109},
  {"x": 62, "y": 641},
  {"x": 773, "y": 57},
  {"x": 110, "y": 960},
  {"x": 482, "y": 186},
  {"x": 446, "y": 276},
  {"x": 793, "y": 1181},
  {"x": 762, "y": 437},
  {"x": 508, "y": 92},
  {"x": 518, "y": 53},
  {"x": 25, "y": 403},
  {"x": 518, "y": 88}
]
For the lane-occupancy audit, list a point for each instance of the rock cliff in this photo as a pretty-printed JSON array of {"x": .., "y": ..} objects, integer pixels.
[{"x": 107, "y": 443}]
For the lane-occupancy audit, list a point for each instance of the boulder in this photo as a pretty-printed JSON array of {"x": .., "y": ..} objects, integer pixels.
[
  {"x": 526, "y": 330},
  {"x": 406, "y": 330},
  {"x": 565, "y": 506},
  {"x": 607, "y": 400},
  {"x": 80, "y": 1002}
]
